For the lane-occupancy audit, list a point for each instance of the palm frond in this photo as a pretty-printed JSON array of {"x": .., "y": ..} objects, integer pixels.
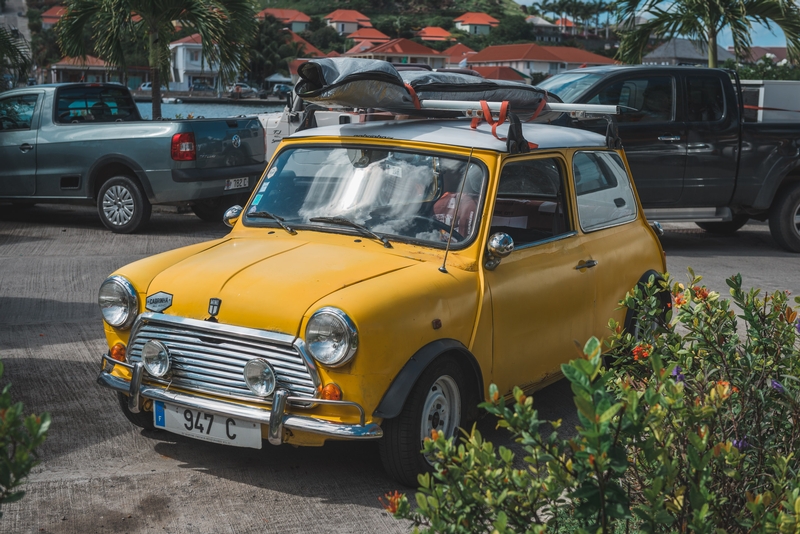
[{"x": 15, "y": 55}]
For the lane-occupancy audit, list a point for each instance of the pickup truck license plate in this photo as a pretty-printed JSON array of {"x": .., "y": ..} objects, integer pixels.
[
  {"x": 206, "y": 426},
  {"x": 236, "y": 183}
]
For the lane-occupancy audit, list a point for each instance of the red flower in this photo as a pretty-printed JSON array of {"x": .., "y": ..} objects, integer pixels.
[
  {"x": 640, "y": 352},
  {"x": 700, "y": 292},
  {"x": 393, "y": 499}
]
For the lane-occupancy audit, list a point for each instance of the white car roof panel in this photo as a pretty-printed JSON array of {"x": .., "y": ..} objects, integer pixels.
[{"x": 457, "y": 132}]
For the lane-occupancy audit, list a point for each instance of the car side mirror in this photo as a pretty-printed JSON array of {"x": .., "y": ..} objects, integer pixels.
[
  {"x": 500, "y": 245},
  {"x": 232, "y": 215}
]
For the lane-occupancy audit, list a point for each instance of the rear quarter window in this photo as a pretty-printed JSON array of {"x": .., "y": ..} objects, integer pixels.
[{"x": 603, "y": 190}]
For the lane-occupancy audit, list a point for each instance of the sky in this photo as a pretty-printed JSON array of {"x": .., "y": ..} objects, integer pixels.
[{"x": 761, "y": 36}]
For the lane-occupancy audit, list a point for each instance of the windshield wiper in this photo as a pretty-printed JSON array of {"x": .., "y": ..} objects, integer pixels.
[
  {"x": 267, "y": 215},
  {"x": 347, "y": 222}
]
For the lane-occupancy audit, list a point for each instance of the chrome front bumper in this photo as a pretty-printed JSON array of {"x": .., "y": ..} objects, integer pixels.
[{"x": 275, "y": 417}]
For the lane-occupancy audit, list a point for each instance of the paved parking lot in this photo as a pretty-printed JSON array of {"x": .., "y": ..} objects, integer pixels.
[{"x": 100, "y": 474}]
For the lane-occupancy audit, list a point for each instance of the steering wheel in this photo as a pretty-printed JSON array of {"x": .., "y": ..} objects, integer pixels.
[
  {"x": 9, "y": 120},
  {"x": 436, "y": 223}
]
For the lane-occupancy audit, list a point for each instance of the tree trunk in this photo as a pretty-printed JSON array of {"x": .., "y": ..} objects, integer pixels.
[
  {"x": 155, "y": 75},
  {"x": 712, "y": 49}
]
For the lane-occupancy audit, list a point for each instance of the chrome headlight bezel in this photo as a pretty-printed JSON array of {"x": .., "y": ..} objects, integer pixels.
[
  {"x": 348, "y": 329},
  {"x": 125, "y": 290}
]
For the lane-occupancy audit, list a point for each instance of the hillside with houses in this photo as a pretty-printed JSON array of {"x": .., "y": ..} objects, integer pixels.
[{"x": 505, "y": 41}]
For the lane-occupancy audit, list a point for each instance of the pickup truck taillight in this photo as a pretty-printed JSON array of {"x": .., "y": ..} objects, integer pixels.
[{"x": 183, "y": 147}]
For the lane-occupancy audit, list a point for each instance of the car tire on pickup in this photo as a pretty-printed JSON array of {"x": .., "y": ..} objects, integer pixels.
[
  {"x": 213, "y": 209},
  {"x": 784, "y": 218},
  {"x": 437, "y": 401},
  {"x": 724, "y": 227},
  {"x": 122, "y": 205}
]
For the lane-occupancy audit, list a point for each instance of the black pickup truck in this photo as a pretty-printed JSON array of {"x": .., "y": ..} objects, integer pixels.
[{"x": 693, "y": 155}]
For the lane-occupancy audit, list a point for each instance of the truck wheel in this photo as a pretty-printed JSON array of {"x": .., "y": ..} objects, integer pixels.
[
  {"x": 213, "y": 209},
  {"x": 122, "y": 205},
  {"x": 725, "y": 227},
  {"x": 436, "y": 402},
  {"x": 142, "y": 419},
  {"x": 784, "y": 219}
]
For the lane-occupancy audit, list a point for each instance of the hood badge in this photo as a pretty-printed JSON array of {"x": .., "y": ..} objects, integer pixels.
[
  {"x": 158, "y": 302},
  {"x": 236, "y": 141},
  {"x": 213, "y": 309}
]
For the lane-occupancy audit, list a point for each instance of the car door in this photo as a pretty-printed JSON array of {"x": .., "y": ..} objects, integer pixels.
[
  {"x": 653, "y": 137},
  {"x": 543, "y": 292},
  {"x": 712, "y": 141},
  {"x": 19, "y": 122}
]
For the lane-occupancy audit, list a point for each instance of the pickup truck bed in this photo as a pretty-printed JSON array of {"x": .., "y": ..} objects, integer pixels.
[{"x": 88, "y": 143}]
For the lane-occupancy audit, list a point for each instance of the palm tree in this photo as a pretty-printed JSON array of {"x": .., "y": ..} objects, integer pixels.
[
  {"x": 703, "y": 20},
  {"x": 226, "y": 28},
  {"x": 15, "y": 56}
]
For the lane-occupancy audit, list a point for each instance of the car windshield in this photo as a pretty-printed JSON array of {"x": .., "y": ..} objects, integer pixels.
[
  {"x": 396, "y": 195},
  {"x": 569, "y": 86}
]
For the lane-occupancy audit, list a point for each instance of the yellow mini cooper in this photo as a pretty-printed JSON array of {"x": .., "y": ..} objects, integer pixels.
[{"x": 381, "y": 277}]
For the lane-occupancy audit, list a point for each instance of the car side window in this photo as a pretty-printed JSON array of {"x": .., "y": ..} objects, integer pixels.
[
  {"x": 705, "y": 99},
  {"x": 16, "y": 112},
  {"x": 642, "y": 99},
  {"x": 603, "y": 190},
  {"x": 530, "y": 204}
]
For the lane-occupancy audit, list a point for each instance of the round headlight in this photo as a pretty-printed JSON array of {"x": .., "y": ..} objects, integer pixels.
[
  {"x": 118, "y": 302},
  {"x": 259, "y": 377},
  {"x": 155, "y": 358},
  {"x": 331, "y": 337}
]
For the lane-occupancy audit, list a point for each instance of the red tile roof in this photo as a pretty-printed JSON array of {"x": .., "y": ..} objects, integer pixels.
[
  {"x": 433, "y": 33},
  {"x": 369, "y": 34},
  {"x": 54, "y": 14},
  {"x": 499, "y": 73},
  {"x": 360, "y": 47},
  {"x": 284, "y": 15},
  {"x": 564, "y": 23},
  {"x": 294, "y": 64},
  {"x": 457, "y": 52},
  {"x": 191, "y": 39},
  {"x": 569, "y": 54},
  {"x": 90, "y": 61},
  {"x": 513, "y": 52},
  {"x": 308, "y": 49},
  {"x": 334, "y": 53},
  {"x": 403, "y": 46},
  {"x": 349, "y": 15},
  {"x": 477, "y": 19}
]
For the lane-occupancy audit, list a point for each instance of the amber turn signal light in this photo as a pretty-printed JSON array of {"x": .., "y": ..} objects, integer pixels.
[
  {"x": 331, "y": 392},
  {"x": 118, "y": 352}
]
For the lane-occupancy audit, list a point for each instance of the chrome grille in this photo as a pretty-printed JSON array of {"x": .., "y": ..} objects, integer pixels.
[{"x": 210, "y": 357}]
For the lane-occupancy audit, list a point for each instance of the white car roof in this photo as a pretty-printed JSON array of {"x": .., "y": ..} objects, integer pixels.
[{"x": 457, "y": 132}]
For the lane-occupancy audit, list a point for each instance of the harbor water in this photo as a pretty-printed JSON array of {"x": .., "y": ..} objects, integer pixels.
[{"x": 209, "y": 111}]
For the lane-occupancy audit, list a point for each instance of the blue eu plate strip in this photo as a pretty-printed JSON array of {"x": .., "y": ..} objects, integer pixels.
[{"x": 158, "y": 413}]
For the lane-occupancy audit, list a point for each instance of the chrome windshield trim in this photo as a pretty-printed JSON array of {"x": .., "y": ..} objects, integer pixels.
[{"x": 261, "y": 416}]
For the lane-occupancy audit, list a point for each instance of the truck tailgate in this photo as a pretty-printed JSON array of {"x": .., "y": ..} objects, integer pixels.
[{"x": 239, "y": 143}]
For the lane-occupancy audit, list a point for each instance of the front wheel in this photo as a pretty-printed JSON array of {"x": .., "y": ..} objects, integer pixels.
[
  {"x": 784, "y": 219},
  {"x": 724, "y": 227},
  {"x": 142, "y": 419},
  {"x": 122, "y": 205},
  {"x": 436, "y": 402}
]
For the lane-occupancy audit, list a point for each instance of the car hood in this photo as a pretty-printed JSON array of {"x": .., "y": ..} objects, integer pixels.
[{"x": 266, "y": 284}]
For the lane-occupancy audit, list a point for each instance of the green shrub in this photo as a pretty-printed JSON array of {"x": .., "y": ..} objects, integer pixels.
[
  {"x": 20, "y": 436},
  {"x": 693, "y": 429}
]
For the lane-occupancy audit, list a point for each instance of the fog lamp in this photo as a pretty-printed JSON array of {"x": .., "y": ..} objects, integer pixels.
[
  {"x": 259, "y": 377},
  {"x": 155, "y": 358},
  {"x": 118, "y": 352},
  {"x": 331, "y": 392}
]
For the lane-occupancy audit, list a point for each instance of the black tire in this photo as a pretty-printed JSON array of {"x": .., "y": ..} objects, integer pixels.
[
  {"x": 725, "y": 227},
  {"x": 784, "y": 218},
  {"x": 213, "y": 209},
  {"x": 122, "y": 205},
  {"x": 142, "y": 419},
  {"x": 401, "y": 444}
]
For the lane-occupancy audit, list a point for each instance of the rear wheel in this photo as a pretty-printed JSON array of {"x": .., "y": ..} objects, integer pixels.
[
  {"x": 725, "y": 227},
  {"x": 122, "y": 205},
  {"x": 436, "y": 402},
  {"x": 213, "y": 209},
  {"x": 142, "y": 419},
  {"x": 784, "y": 219}
]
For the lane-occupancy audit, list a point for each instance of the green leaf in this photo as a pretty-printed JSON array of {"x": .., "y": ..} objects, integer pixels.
[
  {"x": 592, "y": 348},
  {"x": 610, "y": 413}
]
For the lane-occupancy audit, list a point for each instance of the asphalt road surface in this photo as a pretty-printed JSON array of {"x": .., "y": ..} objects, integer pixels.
[{"x": 98, "y": 473}]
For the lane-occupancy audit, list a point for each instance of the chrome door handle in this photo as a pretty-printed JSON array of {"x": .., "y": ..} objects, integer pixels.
[
  {"x": 25, "y": 147},
  {"x": 669, "y": 137},
  {"x": 586, "y": 265}
]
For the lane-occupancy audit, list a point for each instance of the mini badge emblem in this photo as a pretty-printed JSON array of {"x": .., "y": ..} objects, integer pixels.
[
  {"x": 213, "y": 307},
  {"x": 236, "y": 141},
  {"x": 158, "y": 302}
]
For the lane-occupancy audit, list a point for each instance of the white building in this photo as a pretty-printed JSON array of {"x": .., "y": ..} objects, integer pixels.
[{"x": 188, "y": 66}]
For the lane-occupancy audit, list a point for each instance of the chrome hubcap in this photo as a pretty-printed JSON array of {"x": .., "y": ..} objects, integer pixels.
[
  {"x": 118, "y": 205},
  {"x": 797, "y": 219},
  {"x": 442, "y": 409}
]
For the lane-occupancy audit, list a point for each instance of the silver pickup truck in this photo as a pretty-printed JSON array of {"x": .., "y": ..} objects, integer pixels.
[{"x": 88, "y": 143}]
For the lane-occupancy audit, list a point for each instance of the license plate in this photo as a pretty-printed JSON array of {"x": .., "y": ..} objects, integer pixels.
[
  {"x": 236, "y": 183},
  {"x": 206, "y": 426}
]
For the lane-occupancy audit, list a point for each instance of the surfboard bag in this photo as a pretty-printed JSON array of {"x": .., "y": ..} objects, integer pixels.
[{"x": 371, "y": 83}]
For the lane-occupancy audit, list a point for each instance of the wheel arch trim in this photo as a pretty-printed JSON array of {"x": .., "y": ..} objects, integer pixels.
[
  {"x": 117, "y": 159},
  {"x": 629, "y": 315},
  {"x": 396, "y": 395}
]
